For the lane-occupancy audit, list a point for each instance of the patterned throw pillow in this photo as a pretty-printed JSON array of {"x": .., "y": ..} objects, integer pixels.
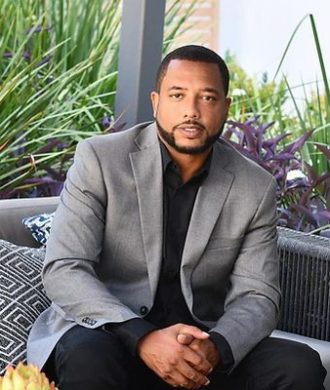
[
  {"x": 40, "y": 226},
  {"x": 22, "y": 299}
]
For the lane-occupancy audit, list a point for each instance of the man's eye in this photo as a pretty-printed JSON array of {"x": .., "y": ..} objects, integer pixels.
[
  {"x": 209, "y": 98},
  {"x": 176, "y": 96}
]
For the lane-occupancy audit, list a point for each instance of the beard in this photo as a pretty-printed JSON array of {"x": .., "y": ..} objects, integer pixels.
[{"x": 193, "y": 150}]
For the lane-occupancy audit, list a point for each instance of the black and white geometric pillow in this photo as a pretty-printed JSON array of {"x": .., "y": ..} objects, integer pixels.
[
  {"x": 40, "y": 226},
  {"x": 22, "y": 299}
]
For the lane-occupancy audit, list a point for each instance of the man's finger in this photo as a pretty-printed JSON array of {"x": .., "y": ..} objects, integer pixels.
[
  {"x": 192, "y": 376},
  {"x": 197, "y": 361},
  {"x": 185, "y": 339},
  {"x": 193, "y": 331},
  {"x": 179, "y": 380}
]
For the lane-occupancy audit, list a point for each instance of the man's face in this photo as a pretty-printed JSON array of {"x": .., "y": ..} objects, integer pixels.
[{"x": 191, "y": 107}]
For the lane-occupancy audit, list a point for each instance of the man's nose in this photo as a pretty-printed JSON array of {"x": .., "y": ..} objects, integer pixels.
[{"x": 191, "y": 109}]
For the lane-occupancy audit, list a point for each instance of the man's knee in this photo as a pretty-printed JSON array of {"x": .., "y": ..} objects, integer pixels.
[
  {"x": 304, "y": 369},
  {"x": 90, "y": 356},
  {"x": 282, "y": 365},
  {"x": 89, "y": 345}
]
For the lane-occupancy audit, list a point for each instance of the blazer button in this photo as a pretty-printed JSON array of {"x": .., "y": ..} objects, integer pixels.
[{"x": 143, "y": 310}]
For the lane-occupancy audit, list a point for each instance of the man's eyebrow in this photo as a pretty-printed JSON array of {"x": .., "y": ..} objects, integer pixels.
[
  {"x": 176, "y": 87},
  {"x": 212, "y": 90},
  {"x": 206, "y": 89}
]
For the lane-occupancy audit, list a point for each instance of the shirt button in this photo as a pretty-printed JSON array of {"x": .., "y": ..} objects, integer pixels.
[{"x": 143, "y": 310}]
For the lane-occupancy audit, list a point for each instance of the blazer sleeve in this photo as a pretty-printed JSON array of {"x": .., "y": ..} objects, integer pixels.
[
  {"x": 75, "y": 244},
  {"x": 252, "y": 302}
]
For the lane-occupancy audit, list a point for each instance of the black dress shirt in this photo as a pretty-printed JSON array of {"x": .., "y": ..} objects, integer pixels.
[{"x": 170, "y": 307}]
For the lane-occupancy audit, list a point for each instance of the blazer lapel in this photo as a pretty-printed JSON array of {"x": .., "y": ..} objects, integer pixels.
[
  {"x": 207, "y": 209},
  {"x": 148, "y": 175}
]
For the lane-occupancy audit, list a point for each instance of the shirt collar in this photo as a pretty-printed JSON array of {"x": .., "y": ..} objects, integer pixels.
[{"x": 167, "y": 159}]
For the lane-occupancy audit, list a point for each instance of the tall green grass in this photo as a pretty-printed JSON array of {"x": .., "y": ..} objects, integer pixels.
[{"x": 315, "y": 113}]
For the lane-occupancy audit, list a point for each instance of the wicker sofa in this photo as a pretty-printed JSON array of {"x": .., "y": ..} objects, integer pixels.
[{"x": 305, "y": 276}]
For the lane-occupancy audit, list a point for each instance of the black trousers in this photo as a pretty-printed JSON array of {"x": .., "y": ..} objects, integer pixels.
[{"x": 86, "y": 359}]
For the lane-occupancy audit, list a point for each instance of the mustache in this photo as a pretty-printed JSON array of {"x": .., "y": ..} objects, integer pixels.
[{"x": 190, "y": 123}]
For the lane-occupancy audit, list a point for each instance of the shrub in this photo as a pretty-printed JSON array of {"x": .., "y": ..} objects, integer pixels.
[{"x": 303, "y": 196}]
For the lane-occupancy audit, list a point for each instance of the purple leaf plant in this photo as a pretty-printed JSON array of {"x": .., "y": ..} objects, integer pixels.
[
  {"x": 303, "y": 197},
  {"x": 47, "y": 179}
]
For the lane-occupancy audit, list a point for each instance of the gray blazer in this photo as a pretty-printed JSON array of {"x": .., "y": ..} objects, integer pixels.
[{"x": 104, "y": 254}]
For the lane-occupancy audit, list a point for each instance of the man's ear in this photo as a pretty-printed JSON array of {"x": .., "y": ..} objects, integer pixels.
[
  {"x": 227, "y": 106},
  {"x": 228, "y": 102},
  {"x": 154, "y": 97}
]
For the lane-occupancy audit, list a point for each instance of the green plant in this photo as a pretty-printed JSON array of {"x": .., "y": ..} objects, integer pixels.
[
  {"x": 275, "y": 101},
  {"x": 46, "y": 92},
  {"x": 315, "y": 113},
  {"x": 252, "y": 97},
  {"x": 301, "y": 193}
]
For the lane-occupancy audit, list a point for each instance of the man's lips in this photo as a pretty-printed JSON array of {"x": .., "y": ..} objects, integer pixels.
[
  {"x": 190, "y": 130},
  {"x": 188, "y": 125}
]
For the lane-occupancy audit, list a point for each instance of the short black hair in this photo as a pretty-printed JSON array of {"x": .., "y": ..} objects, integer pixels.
[{"x": 194, "y": 53}]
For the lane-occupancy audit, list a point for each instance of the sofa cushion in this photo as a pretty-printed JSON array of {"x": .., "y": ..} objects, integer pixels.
[
  {"x": 12, "y": 211},
  {"x": 22, "y": 299},
  {"x": 39, "y": 225}
]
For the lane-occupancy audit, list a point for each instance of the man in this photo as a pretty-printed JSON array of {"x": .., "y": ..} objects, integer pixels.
[{"x": 162, "y": 263}]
